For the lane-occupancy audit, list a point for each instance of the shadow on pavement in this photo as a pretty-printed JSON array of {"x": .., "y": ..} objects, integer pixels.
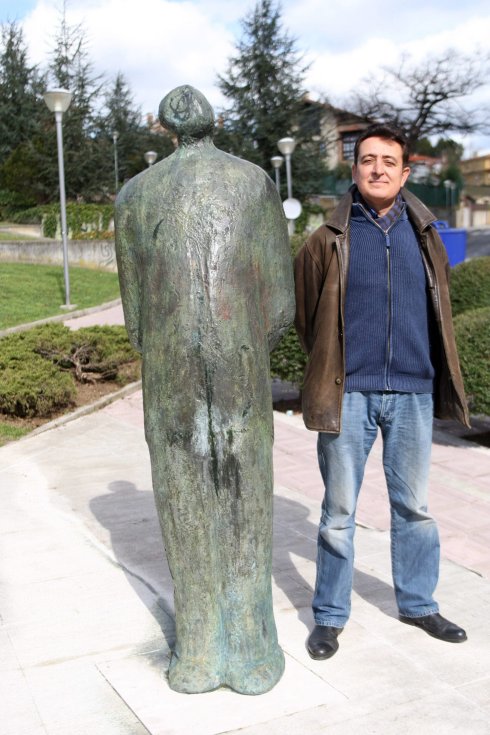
[
  {"x": 130, "y": 517},
  {"x": 292, "y": 522}
]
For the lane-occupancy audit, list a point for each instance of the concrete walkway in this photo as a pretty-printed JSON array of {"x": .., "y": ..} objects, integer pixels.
[{"x": 86, "y": 597}]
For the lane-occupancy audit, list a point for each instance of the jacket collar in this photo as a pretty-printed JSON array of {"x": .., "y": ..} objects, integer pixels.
[
  {"x": 340, "y": 217},
  {"x": 421, "y": 217}
]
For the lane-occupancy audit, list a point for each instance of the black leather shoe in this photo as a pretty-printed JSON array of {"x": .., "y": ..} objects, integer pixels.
[
  {"x": 438, "y": 627},
  {"x": 323, "y": 642}
]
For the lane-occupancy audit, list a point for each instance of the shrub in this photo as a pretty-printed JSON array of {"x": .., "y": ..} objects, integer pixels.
[
  {"x": 288, "y": 359},
  {"x": 82, "y": 219},
  {"x": 38, "y": 368},
  {"x": 470, "y": 285},
  {"x": 31, "y": 216},
  {"x": 473, "y": 339},
  {"x": 11, "y": 202},
  {"x": 50, "y": 224},
  {"x": 96, "y": 235},
  {"x": 29, "y": 385},
  {"x": 308, "y": 209},
  {"x": 297, "y": 241}
]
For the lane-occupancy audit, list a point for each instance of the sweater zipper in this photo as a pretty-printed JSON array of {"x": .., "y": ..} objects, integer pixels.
[{"x": 389, "y": 317}]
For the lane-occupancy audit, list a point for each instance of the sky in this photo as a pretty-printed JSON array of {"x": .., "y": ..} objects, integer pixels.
[{"x": 160, "y": 44}]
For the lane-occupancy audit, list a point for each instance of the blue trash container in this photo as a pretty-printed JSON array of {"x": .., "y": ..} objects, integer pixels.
[{"x": 454, "y": 240}]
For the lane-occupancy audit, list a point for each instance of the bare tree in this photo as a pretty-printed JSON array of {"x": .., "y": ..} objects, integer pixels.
[{"x": 427, "y": 99}]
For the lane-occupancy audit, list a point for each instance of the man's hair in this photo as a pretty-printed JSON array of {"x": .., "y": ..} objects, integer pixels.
[{"x": 389, "y": 132}]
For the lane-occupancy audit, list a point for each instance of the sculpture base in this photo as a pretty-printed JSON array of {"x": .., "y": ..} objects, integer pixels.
[{"x": 197, "y": 676}]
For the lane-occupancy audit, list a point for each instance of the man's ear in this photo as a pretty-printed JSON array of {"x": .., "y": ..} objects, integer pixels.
[{"x": 405, "y": 174}]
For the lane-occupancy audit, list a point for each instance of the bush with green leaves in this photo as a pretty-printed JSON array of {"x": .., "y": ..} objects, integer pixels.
[
  {"x": 39, "y": 367},
  {"x": 50, "y": 224},
  {"x": 83, "y": 220},
  {"x": 472, "y": 330},
  {"x": 29, "y": 384},
  {"x": 470, "y": 285},
  {"x": 288, "y": 359}
]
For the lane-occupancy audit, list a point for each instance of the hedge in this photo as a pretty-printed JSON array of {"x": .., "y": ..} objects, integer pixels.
[
  {"x": 470, "y": 285},
  {"x": 39, "y": 368},
  {"x": 84, "y": 221},
  {"x": 472, "y": 331},
  {"x": 288, "y": 359},
  {"x": 31, "y": 386}
]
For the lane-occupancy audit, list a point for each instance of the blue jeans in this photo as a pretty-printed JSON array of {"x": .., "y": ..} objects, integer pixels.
[{"x": 405, "y": 420}]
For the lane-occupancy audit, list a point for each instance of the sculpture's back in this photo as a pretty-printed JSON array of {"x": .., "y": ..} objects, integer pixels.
[{"x": 206, "y": 283}]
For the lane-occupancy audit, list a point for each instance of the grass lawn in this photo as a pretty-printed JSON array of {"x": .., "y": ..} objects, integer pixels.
[
  {"x": 10, "y": 433},
  {"x": 11, "y": 236},
  {"x": 31, "y": 292}
]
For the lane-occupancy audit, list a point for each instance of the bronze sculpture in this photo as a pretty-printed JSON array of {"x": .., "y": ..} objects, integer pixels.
[{"x": 207, "y": 289}]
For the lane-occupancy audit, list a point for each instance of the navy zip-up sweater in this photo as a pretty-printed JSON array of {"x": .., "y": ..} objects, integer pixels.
[{"x": 387, "y": 313}]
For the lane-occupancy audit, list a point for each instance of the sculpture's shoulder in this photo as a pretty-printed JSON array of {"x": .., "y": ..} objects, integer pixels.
[
  {"x": 241, "y": 170},
  {"x": 241, "y": 164},
  {"x": 148, "y": 180},
  {"x": 129, "y": 191}
]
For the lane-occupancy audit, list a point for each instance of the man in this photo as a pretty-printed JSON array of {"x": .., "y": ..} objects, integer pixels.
[{"x": 373, "y": 314}]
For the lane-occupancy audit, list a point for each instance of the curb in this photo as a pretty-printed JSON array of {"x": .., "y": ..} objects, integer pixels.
[
  {"x": 60, "y": 317},
  {"x": 84, "y": 410}
]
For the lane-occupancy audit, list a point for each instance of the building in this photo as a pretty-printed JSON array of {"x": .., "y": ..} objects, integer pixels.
[
  {"x": 337, "y": 130},
  {"x": 476, "y": 171},
  {"x": 425, "y": 169}
]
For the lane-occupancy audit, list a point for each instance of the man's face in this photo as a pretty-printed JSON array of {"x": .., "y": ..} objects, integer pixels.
[{"x": 379, "y": 172}]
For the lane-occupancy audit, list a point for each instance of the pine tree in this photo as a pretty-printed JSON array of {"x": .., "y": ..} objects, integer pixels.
[
  {"x": 20, "y": 87},
  {"x": 134, "y": 137},
  {"x": 264, "y": 84},
  {"x": 71, "y": 69},
  {"x": 21, "y": 119}
]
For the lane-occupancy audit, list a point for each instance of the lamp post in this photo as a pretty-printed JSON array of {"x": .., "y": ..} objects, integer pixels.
[
  {"x": 450, "y": 186},
  {"x": 276, "y": 164},
  {"x": 115, "y": 136},
  {"x": 292, "y": 207},
  {"x": 58, "y": 101},
  {"x": 150, "y": 157},
  {"x": 287, "y": 146}
]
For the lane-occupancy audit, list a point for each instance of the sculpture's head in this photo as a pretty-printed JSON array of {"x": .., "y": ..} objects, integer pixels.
[{"x": 186, "y": 112}]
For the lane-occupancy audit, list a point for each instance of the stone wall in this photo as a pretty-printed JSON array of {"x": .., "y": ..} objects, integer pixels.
[{"x": 99, "y": 254}]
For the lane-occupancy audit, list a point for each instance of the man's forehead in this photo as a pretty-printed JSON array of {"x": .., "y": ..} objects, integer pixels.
[{"x": 383, "y": 146}]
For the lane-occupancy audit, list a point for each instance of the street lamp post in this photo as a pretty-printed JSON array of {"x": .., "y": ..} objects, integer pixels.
[
  {"x": 450, "y": 187},
  {"x": 276, "y": 164},
  {"x": 287, "y": 146},
  {"x": 115, "y": 136},
  {"x": 292, "y": 207},
  {"x": 58, "y": 101},
  {"x": 150, "y": 157}
]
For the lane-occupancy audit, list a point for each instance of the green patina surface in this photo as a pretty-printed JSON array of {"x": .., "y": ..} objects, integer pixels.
[{"x": 207, "y": 289}]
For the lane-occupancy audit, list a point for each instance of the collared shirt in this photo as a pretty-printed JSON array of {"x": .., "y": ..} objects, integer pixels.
[{"x": 391, "y": 216}]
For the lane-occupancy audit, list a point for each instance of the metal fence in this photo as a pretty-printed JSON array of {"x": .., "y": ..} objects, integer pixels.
[{"x": 432, "y": 196}]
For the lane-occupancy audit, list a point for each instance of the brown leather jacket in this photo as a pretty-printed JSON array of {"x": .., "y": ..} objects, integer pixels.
[{"x": 321, "y": 275}]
